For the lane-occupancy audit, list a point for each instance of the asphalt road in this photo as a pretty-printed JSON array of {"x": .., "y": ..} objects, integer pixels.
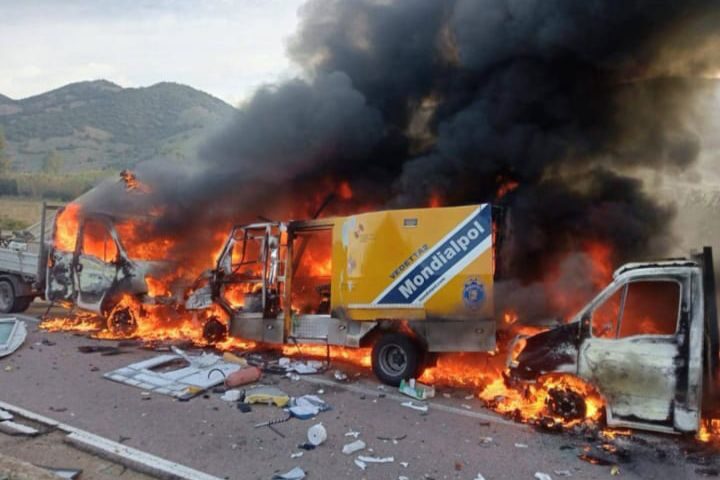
[{"x": 211, "y": 435}]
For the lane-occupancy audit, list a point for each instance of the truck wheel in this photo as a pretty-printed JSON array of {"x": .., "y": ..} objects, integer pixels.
[
  {"x": 7, "y": 296},
  {"x": 122, "y": 322},
  {"x": 395, "y": 357},
  {"x": 22, "y": 303},
  {"x": 214, "y": 331}
]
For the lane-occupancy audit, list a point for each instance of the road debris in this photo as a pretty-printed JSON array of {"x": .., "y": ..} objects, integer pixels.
[
  {"x": 243, "y": 376},
  {"x": 307, "y": 406},
  {"x": 366, "y": 459},
  {"x": 352, "y": 434},
  {"x": 232, "y": 358},
  {"x": 563, "y": 473},
  {"x": 419, "y": 408},
  {"x": 68, "y": 473},
  {"x": 317, "y": 434},
  {"x": 520, "y": 445},
  {"x": 416, "y": 390},
  {"x": 12, "y": 335},
  {"x": 232, "y": 395},
  {"x": 296, "y": 473},
  {"x": 267, "y": 395},
  {"x": 178, "y": 374},
  {"x": 5, "y": 415},
  {"x": 542, "y": 476},
  {"x": 105, "y": 350},
  {"x": 13, "y": 428},
  {"x": 296, "y": 454},
  {"x": 340, "y": 376},
  {"x": 356, "y": 446},
  {"x": 479, "y": 477},
  {"x": 274, "y": 421},
  {"x": 362, "y": 465}
]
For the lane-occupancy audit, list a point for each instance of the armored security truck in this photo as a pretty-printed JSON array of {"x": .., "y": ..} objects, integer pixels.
[{"x": 404, "y": 281}]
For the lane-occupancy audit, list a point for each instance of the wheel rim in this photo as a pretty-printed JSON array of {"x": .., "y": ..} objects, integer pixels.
[
  {"x": 393, "y": 359},
  {"x": 5, "y": 296},
  {"x": 122, "y": 322}
]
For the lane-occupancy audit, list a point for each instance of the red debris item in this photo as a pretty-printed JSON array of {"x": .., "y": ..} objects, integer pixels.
[{"x": 243, "y": 377}]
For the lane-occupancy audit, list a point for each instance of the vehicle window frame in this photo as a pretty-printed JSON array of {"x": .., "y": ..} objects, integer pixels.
[
  {"x": 624, "y": 287},
  {"x": 108, "y": 236},
  {"x": 677, "y": 315}
]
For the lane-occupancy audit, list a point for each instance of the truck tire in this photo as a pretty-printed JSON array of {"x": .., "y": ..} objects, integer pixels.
[
  {"x": 22, "y": 303},
  {"x": 214, "y": 331},
  {"x": 7, "y": 296},
  {"x": 395, "y": 357}
]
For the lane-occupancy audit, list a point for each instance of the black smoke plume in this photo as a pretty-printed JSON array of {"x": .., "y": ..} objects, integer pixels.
[{"x": 406, "y": 100}]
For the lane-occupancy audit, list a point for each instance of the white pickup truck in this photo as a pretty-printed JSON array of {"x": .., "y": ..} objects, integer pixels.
[
  {"x": 92, "y": 272},
  {"x": 23, "y": 257}
]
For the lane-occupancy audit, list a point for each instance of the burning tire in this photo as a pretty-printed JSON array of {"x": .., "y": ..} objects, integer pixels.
[
  {"x": 214, "y": 331},
  {"x": 395, "y": 357},
  {"x": 121, "y": 321},
  {"x": 566, "y": 403}
]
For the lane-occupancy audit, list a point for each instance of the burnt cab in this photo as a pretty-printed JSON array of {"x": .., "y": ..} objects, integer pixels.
[{"x": 648, "y": 343}]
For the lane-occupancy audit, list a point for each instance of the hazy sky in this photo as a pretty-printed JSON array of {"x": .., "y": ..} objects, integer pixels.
[{"x": 225, "y": 47}]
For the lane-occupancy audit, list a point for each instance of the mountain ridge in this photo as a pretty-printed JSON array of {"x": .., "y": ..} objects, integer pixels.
[{"x": 98, "y": 124}]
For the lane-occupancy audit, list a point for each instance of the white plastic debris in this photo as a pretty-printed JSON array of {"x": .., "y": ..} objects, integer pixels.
[
  {"x": 360, "y": 464},
  {"x": 340, "y": 376},
  {"x": 542, "y": 476},
  {"x": 352, "y": 434},
  {"x": 356, "y": 446},
  {"x": 486, "y": 440},
  {"x": 294, "y": 377},
  {"x": 296, "y": 473},
  {"x": 419, "y": 408},
  {"x": 479, "y": 477},
  {"x": 404, "y": 464},
  {"x": 520, "y": 445},
  {"x": 302, "y": 368},
  {"x": 284, "y": 362},
  {"x": 563, "y": 473},
  {"x": 317, "y": 434},
  {"x": 403, "y": 477},
  {"x": 231, "y": 395},
  {"x": 366, "y": 459},
  {"x": 466, "y": 406},
  {"x": 296, "y": 454}
]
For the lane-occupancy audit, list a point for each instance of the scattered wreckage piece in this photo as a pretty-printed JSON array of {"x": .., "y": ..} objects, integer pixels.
[
  {"x": 14, "y": 428},
  {"x": 177, "y": 375},
  {"x": 67, "y": 473},
  {"x": 12, "y": 335},
  {"x": 416, "y": 390},
  {"x": 296, "y": 473}
]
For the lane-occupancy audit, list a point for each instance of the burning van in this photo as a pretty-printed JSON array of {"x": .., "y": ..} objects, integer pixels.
[
  {"x": 78, "y": 258},
  {"x": 407, "y": 282},
  {"x": 648, "y": 343}
]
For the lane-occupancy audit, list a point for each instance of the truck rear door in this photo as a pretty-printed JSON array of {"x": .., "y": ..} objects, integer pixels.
[{"x": 636, "y": 350}]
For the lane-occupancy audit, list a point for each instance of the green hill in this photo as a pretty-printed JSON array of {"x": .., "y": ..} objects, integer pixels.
[{"x": 97, "y": 125}]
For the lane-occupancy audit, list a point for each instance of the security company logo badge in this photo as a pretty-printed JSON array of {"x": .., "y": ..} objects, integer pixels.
[
  {"x": 473, "y": 294},
  {"x": 437, "y": 265}
]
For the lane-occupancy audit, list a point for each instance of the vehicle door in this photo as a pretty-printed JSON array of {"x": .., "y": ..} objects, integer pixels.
[
  {"x": 96, "y": 267},
  {"x": 633, "y": 350}
]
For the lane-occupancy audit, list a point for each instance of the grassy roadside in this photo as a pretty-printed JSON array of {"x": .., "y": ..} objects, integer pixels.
[{"x": 17, "y": 212}]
